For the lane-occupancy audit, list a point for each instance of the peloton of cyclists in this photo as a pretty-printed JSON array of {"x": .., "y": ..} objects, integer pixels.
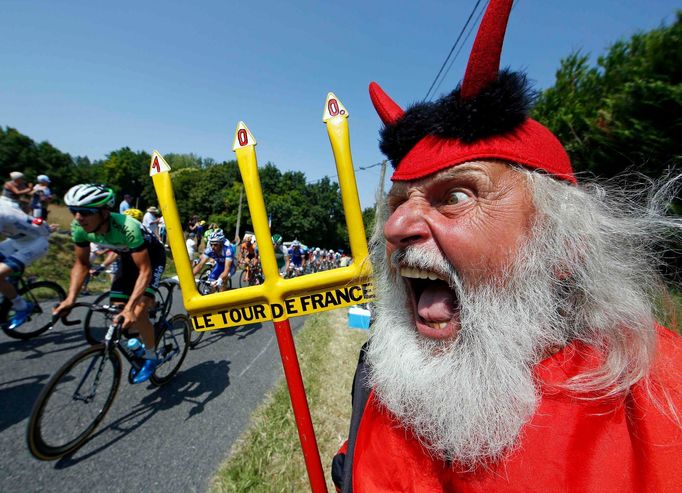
[
  {"x": 222, "y": 252},
  {"x": 142, "y": 261}
]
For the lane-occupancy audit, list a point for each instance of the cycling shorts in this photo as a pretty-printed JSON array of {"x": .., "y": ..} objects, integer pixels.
[
  {"x": 126, "y": 276},
  {"x": 218, "y": 269},
  {"x": 19, "y": 253}
]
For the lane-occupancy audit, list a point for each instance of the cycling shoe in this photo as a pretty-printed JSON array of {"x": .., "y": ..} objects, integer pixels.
[
  {"x": 146, "y": 370},
  {"x": 20, "y": 316}
]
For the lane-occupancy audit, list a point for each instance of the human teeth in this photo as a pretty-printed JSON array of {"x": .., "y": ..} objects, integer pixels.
[
  {"x": 418, "y": 274},
  {"x": 437, "y": 325}
]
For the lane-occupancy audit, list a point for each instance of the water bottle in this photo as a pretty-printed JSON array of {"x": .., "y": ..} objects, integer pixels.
[{"x": 136, "y": 347}]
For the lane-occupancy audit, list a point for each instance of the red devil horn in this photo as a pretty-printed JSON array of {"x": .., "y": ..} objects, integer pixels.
[
  {"x": 388, "y": 110},
  {"x": 484, "y": 61}
]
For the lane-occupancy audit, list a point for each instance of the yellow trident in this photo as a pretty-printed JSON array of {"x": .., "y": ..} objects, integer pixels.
[{"x": 277, "y": 299}]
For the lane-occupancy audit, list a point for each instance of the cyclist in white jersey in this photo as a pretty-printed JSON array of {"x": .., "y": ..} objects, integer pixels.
[{"x": 26, "y": 241}]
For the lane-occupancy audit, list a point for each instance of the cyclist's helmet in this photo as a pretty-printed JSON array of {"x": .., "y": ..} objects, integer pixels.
[
  {"x": 90, "y": 195},
  {"x": 295, "y": 243},
  {"x": 217, "y": 237},
  {"x": 135, "y": 214},
  {"x": 276, "y": 239}
]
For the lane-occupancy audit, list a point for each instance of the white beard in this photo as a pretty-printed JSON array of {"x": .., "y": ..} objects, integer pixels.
[{"x": 466, "y": 400}]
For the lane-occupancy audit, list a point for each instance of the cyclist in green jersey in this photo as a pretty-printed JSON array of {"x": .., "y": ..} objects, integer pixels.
[{"x": 142, "y": 258}]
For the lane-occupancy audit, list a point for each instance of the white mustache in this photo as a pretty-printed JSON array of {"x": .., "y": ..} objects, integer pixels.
[{"x": 431, "y": 260}]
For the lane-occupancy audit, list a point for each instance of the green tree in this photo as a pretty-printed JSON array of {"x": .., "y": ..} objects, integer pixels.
[
  {"x": 19, "y": 152},
  {"x": 624, "y": 113},
  {"x": 127, "y": 171}
]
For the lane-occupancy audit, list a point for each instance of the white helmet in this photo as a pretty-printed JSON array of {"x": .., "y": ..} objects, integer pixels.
[
  {"x": 217, "y": 237},
  {"x": 90, "y": 195},
  {"x": 43, "y": 178}
]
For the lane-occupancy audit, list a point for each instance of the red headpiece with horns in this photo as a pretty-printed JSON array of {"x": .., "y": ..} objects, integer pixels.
[{"x": 486, "y": 117}]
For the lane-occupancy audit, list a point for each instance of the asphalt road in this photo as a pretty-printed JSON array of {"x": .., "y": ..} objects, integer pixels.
[{"x": 168, "y": 439}]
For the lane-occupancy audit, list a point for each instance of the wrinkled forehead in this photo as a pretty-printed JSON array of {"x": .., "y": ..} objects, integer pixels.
[{"x": 484, "y": 174}]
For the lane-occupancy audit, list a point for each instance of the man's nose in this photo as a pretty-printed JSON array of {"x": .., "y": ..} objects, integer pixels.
[{"x": 406, "y": 226}]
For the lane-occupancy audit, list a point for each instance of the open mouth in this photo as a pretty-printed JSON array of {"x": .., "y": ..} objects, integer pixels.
[{"x": 435, "y": 305}]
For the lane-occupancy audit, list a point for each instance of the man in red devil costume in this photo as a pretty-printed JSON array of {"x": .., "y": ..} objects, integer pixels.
[{"x": 515, "y": 346}]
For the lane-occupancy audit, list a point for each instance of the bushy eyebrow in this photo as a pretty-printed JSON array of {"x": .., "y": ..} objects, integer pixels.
[{"x": 400, "y": 191}]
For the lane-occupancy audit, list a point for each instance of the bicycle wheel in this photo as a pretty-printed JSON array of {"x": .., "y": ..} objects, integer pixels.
[
  {"x": 165, "y": 290},
  {"x": 244, "y": 279},
  {"x": 172, "y": 343},
  {"x": 44, "y": 295},
  {"x": 96, "y": 323},
  {"x": 256, "y": 277},
  {"x": 73, "y": 403},
  {"x": 195, "y": 337}
]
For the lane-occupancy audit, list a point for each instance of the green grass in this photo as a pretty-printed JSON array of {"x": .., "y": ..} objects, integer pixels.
[{"x": 268, "y": 457}]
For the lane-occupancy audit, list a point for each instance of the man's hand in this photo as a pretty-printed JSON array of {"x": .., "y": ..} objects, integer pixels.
[
  {"x": 63, "y": 308},
  {"x": 127, "y": 318}
]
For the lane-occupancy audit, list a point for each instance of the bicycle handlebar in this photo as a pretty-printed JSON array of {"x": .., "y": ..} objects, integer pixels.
[{"x": 64, "y": 317}]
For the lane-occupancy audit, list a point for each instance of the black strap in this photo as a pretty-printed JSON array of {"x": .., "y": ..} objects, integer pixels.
[{"x": 342, "y": 466}]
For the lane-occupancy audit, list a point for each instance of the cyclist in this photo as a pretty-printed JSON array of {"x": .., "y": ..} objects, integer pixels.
[
  {"x": 26, "y": 241},
  {"x": 222, "y": 251},
  {"x": 296, "y": 256},
  {"x": 248, "y": 252},
  {"x": 280, "y": 248},
  {"x": 111, "y": 260},
  {"x": 142, "y": 260}
]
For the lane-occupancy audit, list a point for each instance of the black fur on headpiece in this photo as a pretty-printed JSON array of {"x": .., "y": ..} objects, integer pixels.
[{"x": 497, "y": 109}]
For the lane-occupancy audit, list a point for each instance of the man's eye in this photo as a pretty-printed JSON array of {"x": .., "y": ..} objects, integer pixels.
[{"x": 457, "y": 198}]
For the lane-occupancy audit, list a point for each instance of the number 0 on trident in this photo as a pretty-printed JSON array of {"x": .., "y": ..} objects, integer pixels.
[{"x": 277, "y": 299}]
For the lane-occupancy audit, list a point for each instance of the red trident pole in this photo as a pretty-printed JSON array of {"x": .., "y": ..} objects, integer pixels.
[{"x": 299, "y": 403}]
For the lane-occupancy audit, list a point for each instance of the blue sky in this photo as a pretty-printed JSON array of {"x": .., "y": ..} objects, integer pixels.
[{"x": 91, "y": 77}]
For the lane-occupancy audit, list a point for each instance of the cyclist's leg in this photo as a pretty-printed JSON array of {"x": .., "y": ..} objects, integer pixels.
[
  {"x": 121, "y": 289},
  {"x": 123, "y": 286},
  {"x": 15, "y": 255},
  {"x": 157, "y": 257},
  {"x": 213, "y": 277},
  {"x": 6, "y": 287}
]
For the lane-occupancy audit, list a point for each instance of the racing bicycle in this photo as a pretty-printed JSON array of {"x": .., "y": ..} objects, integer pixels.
[
  {"x": 252, "y": 275},
  {"x": 205, "y": 286},
  {"x": 44, "y": 295},
  {"x": 78, "y": 396},
  {"x": 208, "y": 286}
]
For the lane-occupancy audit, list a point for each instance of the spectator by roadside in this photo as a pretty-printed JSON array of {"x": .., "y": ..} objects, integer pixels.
[
  {"x": 126, "y": 203},
  {"x": 42, "y": 196},
  {"x": 151, "y": 220},
  {"x": 16, "y": 190}
]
